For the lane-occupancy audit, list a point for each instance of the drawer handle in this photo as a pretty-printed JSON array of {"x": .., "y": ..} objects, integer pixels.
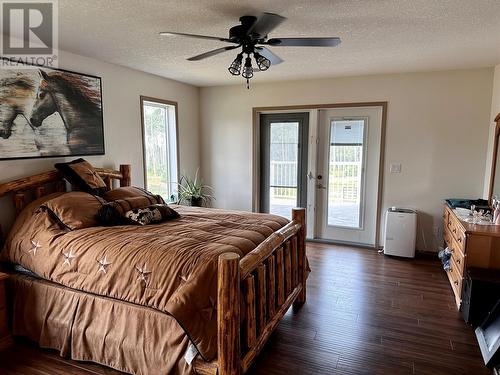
[
  {"x": 454, "y": 230},
  {"x": 459, "y": 261},
  {"x": 455, "y": 282},
  {"x": 460, "y": 239}
]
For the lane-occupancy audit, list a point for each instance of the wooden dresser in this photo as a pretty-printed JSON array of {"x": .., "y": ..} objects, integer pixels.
[
  {"x": 5, "y": 338},
  {"x": 471, "y": 245}
]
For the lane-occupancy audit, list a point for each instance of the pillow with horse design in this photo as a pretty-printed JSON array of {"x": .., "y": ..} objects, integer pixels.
[
  {"x": 153, "y": 214},
  {"x": 113, "y": 213}
]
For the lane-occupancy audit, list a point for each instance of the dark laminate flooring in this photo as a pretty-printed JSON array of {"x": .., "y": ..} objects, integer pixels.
[{"x": 365, "y": 314}]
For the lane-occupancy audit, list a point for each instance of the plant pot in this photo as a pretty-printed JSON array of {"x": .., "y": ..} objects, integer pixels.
[{"x": 196, "y": 201}]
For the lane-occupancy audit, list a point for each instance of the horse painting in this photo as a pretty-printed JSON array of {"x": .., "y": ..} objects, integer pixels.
[
  {"x": 15, "y": 93},
  {"x": 48, "y": 112},
  {"x": 78, "y": 105}
]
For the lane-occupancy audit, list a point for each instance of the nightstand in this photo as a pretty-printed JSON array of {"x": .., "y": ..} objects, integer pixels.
[{"x": 5, "y": 338}]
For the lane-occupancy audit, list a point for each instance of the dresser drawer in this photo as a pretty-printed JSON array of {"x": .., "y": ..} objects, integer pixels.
[
  {"x": 457, "y": 257},
  {"x": 446, "y": 214},
  {"x": 447, "y": 237},
  {"x": 455, "y": 281},
  {"x": 450, "y": 225},
  {"x": 456, "y": 229},
  {"x": 460, "y": 239}
]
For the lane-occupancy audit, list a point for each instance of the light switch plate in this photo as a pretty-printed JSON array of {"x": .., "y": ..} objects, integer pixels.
[{"x": 395, "y": 168}]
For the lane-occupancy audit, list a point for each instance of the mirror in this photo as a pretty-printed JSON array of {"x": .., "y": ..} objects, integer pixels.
[{"x": 495, "y": 164}]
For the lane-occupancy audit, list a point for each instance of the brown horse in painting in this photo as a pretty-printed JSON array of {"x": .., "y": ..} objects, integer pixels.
[
  {"x": 15, "y": 92},
  {"x": 78, "y": 105}
]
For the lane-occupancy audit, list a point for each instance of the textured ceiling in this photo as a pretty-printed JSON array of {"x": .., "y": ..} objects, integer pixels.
[{"x": 378, "y": 36}]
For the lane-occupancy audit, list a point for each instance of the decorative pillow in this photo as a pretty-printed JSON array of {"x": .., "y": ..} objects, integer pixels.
[
  {"x": 81, "y": 174},
  {"x": 113, "y": 213},
  {"x": 131, "y": 192},
  {"x": 74, "y": 210},
  {"x": 155, "y": 213}
]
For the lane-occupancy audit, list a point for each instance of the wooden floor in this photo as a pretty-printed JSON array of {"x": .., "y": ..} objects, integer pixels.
[{"x": 365, "y": 314}]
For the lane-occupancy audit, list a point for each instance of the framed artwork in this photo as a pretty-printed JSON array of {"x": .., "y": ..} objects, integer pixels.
[{"x": 46, "y": 112}]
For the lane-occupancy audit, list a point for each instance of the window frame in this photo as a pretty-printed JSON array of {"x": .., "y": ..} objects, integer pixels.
[{"x": 143, "y": 99}]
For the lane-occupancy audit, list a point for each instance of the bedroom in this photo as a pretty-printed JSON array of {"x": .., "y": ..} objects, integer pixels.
[{"x": 420, "y": 79}]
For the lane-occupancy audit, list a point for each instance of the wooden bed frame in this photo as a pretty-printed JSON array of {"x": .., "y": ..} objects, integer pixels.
[{"x": 254, "y": 292}]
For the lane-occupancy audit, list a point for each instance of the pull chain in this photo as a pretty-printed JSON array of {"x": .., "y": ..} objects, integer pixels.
[{"x": 248, "y": 84}]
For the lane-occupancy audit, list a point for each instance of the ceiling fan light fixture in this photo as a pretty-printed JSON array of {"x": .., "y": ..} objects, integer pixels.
[
  {"x": 235, "y": 67},
  {"x": 252, "y": 36},
  {"x": 262, "y": 62},
  {"x": 247, "y": 69}
]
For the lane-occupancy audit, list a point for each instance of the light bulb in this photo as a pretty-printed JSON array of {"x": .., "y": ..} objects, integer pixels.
[
  {"x": 247, "y": 69},
  {"x": 235, "y": 67},
  {"x": 262, "y": 62}
]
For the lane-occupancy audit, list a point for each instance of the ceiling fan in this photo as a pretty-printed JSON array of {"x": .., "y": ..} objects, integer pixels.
[{"x": 252, "y": 37}]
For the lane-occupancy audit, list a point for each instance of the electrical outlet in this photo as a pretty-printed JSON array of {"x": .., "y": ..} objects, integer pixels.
[{"x": 395, "y": 168}]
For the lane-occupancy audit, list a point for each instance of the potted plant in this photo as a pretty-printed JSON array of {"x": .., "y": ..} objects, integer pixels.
[{"x": 193, "y": 192}]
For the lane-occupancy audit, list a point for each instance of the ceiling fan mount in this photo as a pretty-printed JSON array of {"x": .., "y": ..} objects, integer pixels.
[{"x": 252, "y": 37}]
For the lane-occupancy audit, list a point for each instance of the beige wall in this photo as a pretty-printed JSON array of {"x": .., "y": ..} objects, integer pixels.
[
  {"x": 437, "y": 128},
  {"x": 495, "y": 110},
  {"x": 121, "y": 90}
]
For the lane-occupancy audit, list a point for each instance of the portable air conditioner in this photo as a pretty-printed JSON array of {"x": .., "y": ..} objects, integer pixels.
[{"x": 400, "y": 232}]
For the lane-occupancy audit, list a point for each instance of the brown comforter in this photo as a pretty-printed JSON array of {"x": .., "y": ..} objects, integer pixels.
[{"x": 171, "y": 267}]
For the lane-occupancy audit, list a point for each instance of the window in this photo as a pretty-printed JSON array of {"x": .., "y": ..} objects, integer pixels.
[
  {"x": 345, "y": 182},
  {"x": 159, "y": 134}
]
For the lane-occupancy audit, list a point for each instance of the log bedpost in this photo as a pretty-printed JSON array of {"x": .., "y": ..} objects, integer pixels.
[
  {"x": 61, "y": 186},
  {"x": 109, "y": 182},
  {"x": 126, "y": 179},
  {"x": 228, "y": 314},
  {"x": 299, "y": 215},
  {"x": 40, "y": 191},
  {"x": 19, "y": 202}
]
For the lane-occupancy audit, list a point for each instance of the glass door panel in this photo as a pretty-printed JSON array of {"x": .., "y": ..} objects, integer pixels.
[
  {"x": 283, "y": 162},
  {"x": 345, "y": 173},
  {"x": 283, "y": 152}
]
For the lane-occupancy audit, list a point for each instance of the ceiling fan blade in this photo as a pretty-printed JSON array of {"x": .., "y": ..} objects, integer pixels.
[
  {"x": 268, "y": 54},
  {"x": 197, "y": 36},
  {"x": 304, "y": 42},
  {"x": 212, "y": 53},
  {"x": 265, "y": 24}
]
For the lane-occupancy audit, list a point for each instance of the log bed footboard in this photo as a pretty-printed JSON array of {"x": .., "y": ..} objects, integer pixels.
[{"x": 253, "y": 295}]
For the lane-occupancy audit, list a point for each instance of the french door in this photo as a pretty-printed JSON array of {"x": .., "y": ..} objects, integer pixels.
[
  {"x": 347, "y": 182},
  {"x": 283, "y": 162}
]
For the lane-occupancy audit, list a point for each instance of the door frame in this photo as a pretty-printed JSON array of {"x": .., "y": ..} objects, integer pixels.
[{"x": 257, "y": 111}]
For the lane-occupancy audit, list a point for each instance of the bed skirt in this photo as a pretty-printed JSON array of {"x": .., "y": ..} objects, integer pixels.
[{"x": 86, "y": 327}]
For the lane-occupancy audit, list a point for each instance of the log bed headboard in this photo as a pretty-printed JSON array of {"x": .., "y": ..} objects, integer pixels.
[{"x": 28, "y": 188}]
